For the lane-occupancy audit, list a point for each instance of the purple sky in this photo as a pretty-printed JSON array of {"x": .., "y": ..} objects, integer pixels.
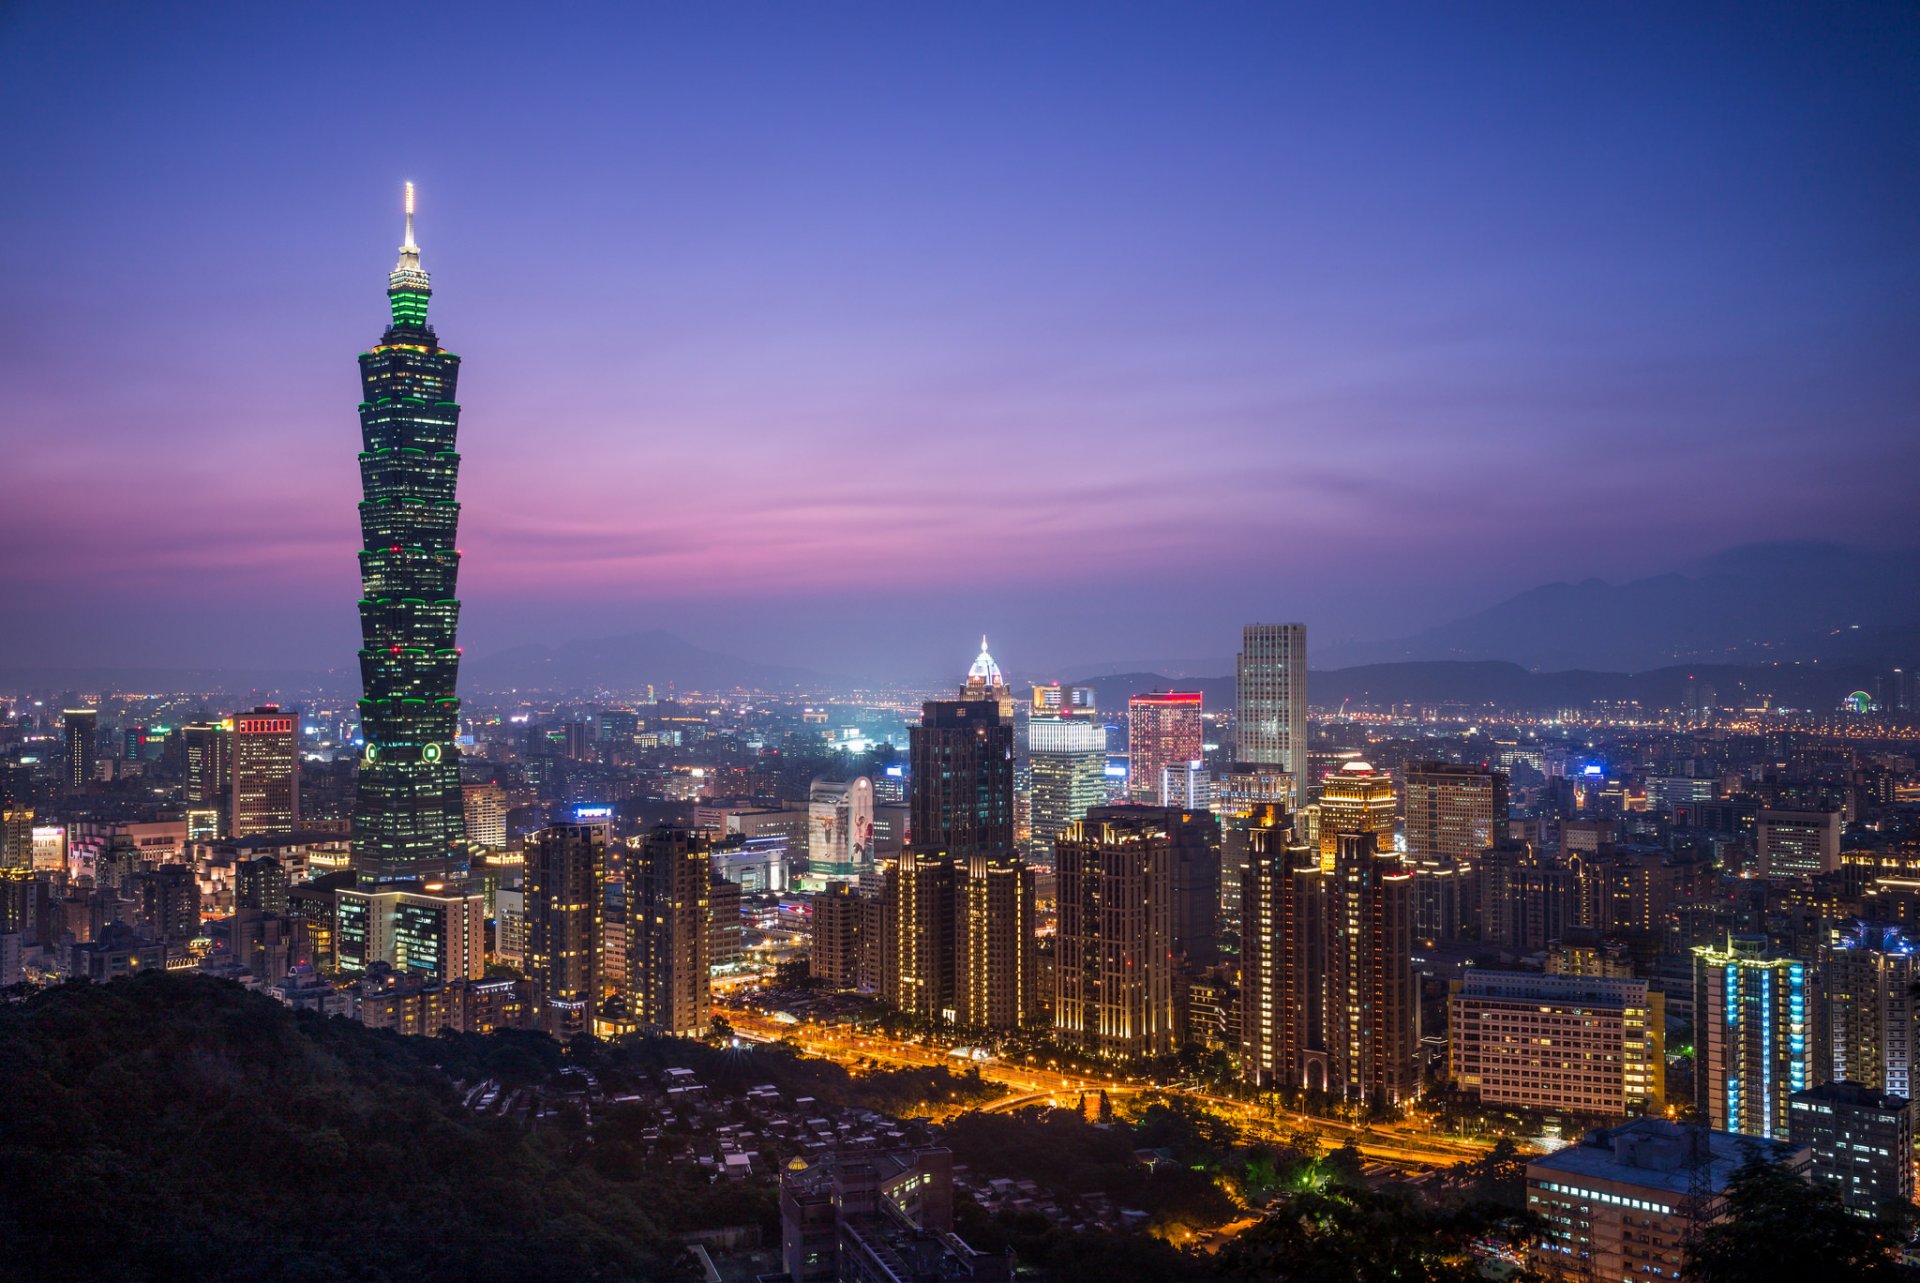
[{"x": 835, "y": 334}]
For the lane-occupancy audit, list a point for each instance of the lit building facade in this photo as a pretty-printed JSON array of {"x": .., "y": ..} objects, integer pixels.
[
  {"x": 1069, "y": 765},
  {"x": 1270, "y": 703},
  {"x": 1753, "y": 1036},
  {"x": 1355, "y": 799},
  {"x": 566, "y": 871},
  {"x": 81, "y": 727},
  {"x": 1871, "y": 1019},
  {"x": 1584, "y": 1044},
  {"x": 1860, "y": 1141},
  {"x": 840, "y": 829},
  {"x": 485, "y": 806},
  {"x": 439, "y": 933},
  {"x": 668, "y": 944},
  {"x": 265, "y": 774},
  {"x": 1114, "y": 965},
  {"x": 1163, "y": 729},
  {"x": 409, "y": 814}
]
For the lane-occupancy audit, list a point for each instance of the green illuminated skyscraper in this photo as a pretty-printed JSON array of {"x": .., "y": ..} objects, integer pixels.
[{"x": 408, "y": 820}]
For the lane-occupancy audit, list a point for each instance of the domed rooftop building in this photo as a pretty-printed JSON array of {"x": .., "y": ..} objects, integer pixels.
[{"x": 983, "y": 679}]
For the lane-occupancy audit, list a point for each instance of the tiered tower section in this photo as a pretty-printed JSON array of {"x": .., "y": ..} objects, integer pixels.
[{"x": 408, "y": 819}]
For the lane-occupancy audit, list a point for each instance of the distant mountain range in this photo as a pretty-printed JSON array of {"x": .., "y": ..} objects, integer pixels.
[
  {"x": 628, "y": 662},
  {"x": 1758, "y": 603},
  {"x": 1818, "y": 686}
]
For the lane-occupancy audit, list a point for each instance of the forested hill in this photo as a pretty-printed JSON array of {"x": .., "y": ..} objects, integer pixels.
[{"x": 175, "y": 1127}]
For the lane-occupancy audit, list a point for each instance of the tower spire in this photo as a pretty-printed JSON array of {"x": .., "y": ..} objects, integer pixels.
[{"x": 409, "y": 251}]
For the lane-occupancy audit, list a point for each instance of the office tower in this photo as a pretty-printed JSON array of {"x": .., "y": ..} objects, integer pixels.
[
  {"x": 1328, "y": 995},
  {"x": 1871, "y": 1027},
  {"x": 82, "y": 727},
  {"x": 1753, "y": 1036},
  {"x": 1454, "y": 814},
  {"x": 409, "y": 812},
  {"x": 207, "y": 748},
  {"x": 1114, "y": 967},
  {"x": 840, "y": 829},
  {"x": 1069, "y": 764},
  {"x": 961, "y": 797},
  {"x": 1189, "y": 787},
  {"x": 1626, "y": 1203},
  {"x": 1270, "y": 703},
  {"x": 1587, "y": 1045},
  {"x": 435, "y": 931},
  {"x": 959, "y": 909},
  {"x": 1797, "y": 844},
  {"x": 669, "y": 885},
  {"x": 566, "y": 867},
  {"x": 485, "y": 806},
  {"x": 919, "y": 921},
  {"x": 265, "y": 781},
  {"x": 1355, "y": 799},
  {"x": 846, "y": 938},
  {"x": 1861, "y": 1142},
  {"x": 1163, "y": 729}
]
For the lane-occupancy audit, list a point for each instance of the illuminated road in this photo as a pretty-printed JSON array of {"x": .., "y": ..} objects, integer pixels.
[{"x": 1397, "y": 1146}]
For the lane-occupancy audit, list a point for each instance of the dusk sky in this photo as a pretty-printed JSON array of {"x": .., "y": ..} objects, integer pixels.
[{"x": 836, "y": 334}]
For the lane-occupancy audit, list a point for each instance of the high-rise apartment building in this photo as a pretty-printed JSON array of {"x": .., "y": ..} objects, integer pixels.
[
  {"x": 846, "y": 938},
  {"x": 1797, "y": 844},
  {"x": 566, "y": 869},
  {"x": 1870, "y": 1031},
  {"x": 919, "y": 935},
  {"x": 485, "y": 806},
  {"x": 409, "y": 813},
  {"x": 1753, "y": 1035},
  {"x": 997, "y": 966},
  {"x": 1861, "y": 1143},
  {"x": 264, "y": 785},
  {"x": 1270, "y": 703},
  {"x": 668, "y": 947},
  {"x": 1069, "y": 764},
  {"x": 1329, "y": 1001},
  {"x": 1114, "y": 966},
  {"x": 1163, "y": 729},
  {"x": 82, "y": 728},
  {"x": 1583, "y": 1044},
  {"x": 961, "y": 798},
  {"x": 16, "y": 836}
]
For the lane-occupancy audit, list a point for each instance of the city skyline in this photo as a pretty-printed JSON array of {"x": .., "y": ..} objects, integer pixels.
[{"x": 1193, "y": 297}]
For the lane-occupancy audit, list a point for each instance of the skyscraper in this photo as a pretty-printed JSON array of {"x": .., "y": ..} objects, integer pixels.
[
  {"x": 1069, "y": 762},
  {"x": 1455, "y": 814},
  {"x": 82, "y": 726},
  {"x": 265, "y": 775},
  {"x": 1270, "y": 702},
  {"x": 669, "y": 882},
  {"x": 1328, "y": 1001},
  {"x": 1163, "y": 729},
  {"x": 208, "y": 749},
  {"x": 486, "y": 814},
  {"x": 409, "y": 814},
  {"x": 1114, "y": 965},
  {"x": 1355, "y": 799},
  {"x": 566, "y": 873},
  {"x": 1753, "y": 1036},
  {"x": 1871, "y": 1032}
]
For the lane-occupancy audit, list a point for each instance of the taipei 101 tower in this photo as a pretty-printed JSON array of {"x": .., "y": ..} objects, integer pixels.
[{"x": 408, "y": 821}]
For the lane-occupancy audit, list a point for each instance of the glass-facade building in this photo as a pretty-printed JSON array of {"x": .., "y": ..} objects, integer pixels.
[{"x": 408, "y": 819}]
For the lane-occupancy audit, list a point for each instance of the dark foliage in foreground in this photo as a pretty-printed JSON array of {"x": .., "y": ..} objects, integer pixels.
[
  {"x": 1778, "y": 1226},
  {"x": 175, "y": 1127}
]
